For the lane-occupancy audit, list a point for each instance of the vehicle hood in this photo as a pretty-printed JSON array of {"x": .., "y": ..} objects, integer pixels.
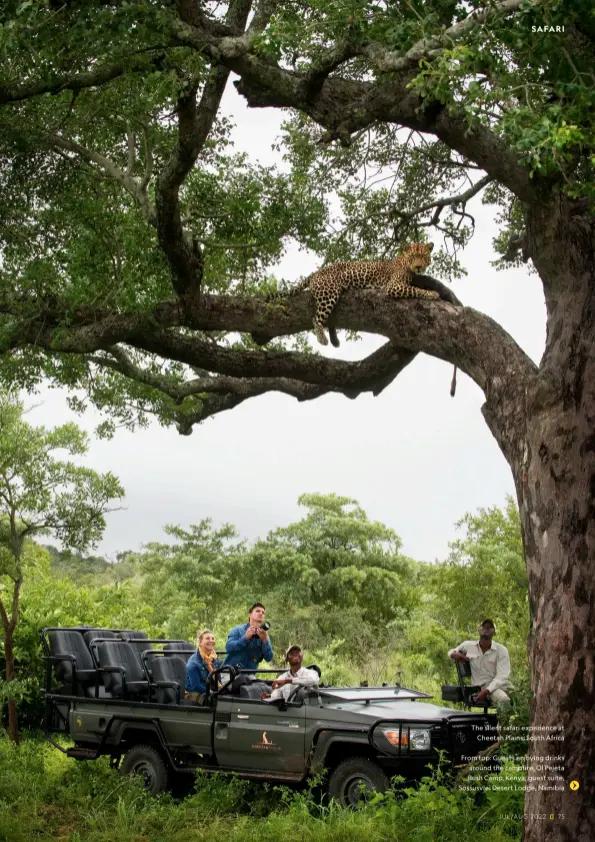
[{"x": 358, "y": 712}]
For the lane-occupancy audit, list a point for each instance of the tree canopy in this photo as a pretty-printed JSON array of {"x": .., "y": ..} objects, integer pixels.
[{"x": 134, "y": 236}]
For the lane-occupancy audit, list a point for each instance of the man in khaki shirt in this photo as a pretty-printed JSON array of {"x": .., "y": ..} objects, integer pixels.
[{"x": 489, "y": 662}]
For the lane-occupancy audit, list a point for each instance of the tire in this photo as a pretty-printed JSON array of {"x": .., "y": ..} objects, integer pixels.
[
  {"x": 148, "y": 762},
  {"x": 351, "y": 776}
]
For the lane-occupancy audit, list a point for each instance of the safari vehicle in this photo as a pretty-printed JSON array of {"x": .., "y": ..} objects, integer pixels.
[{"x": 118, "y": 693}]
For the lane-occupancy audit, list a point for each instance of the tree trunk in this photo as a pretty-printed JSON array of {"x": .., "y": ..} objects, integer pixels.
[
  {"x": 13, "y": 724},
  {"x": 548, "y": 437}
]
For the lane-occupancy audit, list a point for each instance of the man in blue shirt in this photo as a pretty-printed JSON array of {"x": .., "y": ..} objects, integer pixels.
[{"x": 247, "y": 645}]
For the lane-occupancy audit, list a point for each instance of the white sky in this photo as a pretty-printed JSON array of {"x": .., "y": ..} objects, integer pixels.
[{"x": 414, "y": 458}]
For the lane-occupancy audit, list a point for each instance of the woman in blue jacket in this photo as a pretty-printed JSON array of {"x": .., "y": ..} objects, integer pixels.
[{"x": 199, "y": 667}]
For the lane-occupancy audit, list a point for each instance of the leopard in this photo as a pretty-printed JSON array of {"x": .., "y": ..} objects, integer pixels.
[{"x": 391, "y": 276}]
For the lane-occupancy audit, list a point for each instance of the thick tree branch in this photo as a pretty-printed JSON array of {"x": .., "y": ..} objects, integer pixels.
[
  {"x": 459, "y": 335},
  {"x": 385, "y": 61},
  {"x": 344, "y": 106},
  {"x": 99, "y": 75},
  {"x": 262, "y": 16},
  {"x": 194, "y": 124},
  {"x": 220, "y": 393}
]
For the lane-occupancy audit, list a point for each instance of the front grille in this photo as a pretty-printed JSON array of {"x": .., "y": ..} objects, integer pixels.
[{"x": 467, "y": 739}]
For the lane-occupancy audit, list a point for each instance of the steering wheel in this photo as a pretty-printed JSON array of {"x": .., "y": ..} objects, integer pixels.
[{"x": 213, "y": 679}]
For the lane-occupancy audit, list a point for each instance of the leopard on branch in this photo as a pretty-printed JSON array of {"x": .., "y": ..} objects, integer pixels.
[{"x": 391, "y": 276}]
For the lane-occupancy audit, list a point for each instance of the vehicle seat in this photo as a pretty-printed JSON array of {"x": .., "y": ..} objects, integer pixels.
[
  {"x": 254, "y": 690},
  {"x": 130, "y": 634},
  {"x": 169, "y": 671},
  {"x": 70, "y": 644},
  {"x": 122, "y": 671},
  {"x": 174, "y": 646},
  {"x": 316, "y": 668},
  {"x": 89, "y": 635}
]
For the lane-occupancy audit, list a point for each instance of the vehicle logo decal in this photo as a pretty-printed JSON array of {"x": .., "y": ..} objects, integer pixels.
[
  {"x": 79, "y": 722},
  {"x": 266, "y": 744}
]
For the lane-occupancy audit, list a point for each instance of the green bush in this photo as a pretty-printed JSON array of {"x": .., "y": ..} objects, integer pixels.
[{"x": 46, "y": 796}]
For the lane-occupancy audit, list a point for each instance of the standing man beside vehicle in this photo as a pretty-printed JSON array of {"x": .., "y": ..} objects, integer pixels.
[
  {"x": 249, "y": 644},
  {"x": 489, "y": 662}
]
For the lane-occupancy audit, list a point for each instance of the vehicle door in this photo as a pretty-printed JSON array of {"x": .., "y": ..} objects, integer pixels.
[{"x": 254, "y": 735}]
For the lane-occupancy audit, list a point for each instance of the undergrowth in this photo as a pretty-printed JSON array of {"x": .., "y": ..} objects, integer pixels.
[{"x": 45, "y": 795}]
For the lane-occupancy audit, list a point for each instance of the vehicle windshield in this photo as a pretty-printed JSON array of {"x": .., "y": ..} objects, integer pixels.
[{"x": 369, "y": 694}]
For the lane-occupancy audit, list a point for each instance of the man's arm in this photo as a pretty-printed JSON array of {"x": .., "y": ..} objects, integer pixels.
[
  {"x": 458, "y": 653},
  {"x": 310, "y": 679},
  {"x": 267, "y": 650},
  {"x": 236, "y": 640},
  {"x": 502, "y": 671}
]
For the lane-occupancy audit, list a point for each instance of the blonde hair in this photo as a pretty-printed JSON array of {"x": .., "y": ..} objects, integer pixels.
[{"x": 202, "y": 634}]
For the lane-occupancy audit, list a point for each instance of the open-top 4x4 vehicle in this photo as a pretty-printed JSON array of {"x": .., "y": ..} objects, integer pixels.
[{"x": 117, "y": 693}]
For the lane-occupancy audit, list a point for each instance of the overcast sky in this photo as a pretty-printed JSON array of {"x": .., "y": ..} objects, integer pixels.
[{"x": 414, "y": 458}]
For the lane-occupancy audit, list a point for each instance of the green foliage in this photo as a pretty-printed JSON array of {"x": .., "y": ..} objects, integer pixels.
[
  {"x": 194, "y": 578},
  {"x": 44, "y": 795},
  {"x": 336, "y": 556},
  {"x": 74, "y": 229},
  {"x": 40, "y": 494}
]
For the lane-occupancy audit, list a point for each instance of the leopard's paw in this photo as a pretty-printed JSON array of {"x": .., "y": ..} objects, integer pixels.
[{"x": 321, "y": 336}]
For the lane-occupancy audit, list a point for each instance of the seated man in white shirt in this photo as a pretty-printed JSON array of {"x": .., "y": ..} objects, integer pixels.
[
  {"x": 489, "y": 662},
  {"x": 296, "y": 674}
]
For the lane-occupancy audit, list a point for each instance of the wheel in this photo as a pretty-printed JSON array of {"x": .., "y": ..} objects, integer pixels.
[
  {"x": 353, "y": 780},
  {"x": 146, "y": 761}
]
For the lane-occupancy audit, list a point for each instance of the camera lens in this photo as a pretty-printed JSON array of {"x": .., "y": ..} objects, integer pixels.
[{"x": 265, "y": 626}]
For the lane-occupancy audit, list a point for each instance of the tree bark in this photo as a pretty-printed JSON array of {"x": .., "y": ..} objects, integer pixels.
[
  {"x": 13, "y": 723},
  {"x": 549, "y": 441},
  {"x": 7, "y": 624}
]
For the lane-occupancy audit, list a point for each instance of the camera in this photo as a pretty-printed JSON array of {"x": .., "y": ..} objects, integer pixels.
[{"x": 265, "y": 626}]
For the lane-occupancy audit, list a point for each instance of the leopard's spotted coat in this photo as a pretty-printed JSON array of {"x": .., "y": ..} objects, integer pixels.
[{"x": 392, "y": 276}]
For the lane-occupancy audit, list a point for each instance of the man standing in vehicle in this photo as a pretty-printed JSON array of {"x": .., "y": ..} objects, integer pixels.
[
  {"x": 489, "y": 662},
  {"x": 248, "y": 644}
]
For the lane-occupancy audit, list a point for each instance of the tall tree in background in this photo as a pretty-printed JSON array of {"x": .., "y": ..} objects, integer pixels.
[
  {"x": 40, "y": 495},
  {"x": 335, "y": 557},
  {"x": 134, "y": 239}
]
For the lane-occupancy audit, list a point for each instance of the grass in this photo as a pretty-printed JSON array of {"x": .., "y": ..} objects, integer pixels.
[{"x": 46, "y": 796}]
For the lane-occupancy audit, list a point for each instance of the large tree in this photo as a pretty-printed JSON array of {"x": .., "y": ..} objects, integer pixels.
[
  {"x": 135, "y": 241},
  {"x": 41, "y": 494}
]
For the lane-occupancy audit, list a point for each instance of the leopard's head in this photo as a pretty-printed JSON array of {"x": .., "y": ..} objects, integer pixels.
[{"x": 418, "y": 256}]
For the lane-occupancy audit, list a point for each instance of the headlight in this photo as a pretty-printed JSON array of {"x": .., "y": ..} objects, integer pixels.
[
  {"x": 416, "y": 739},
  {"x": 396, "y": 737},
  {"x": 419, "y": 739}
]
